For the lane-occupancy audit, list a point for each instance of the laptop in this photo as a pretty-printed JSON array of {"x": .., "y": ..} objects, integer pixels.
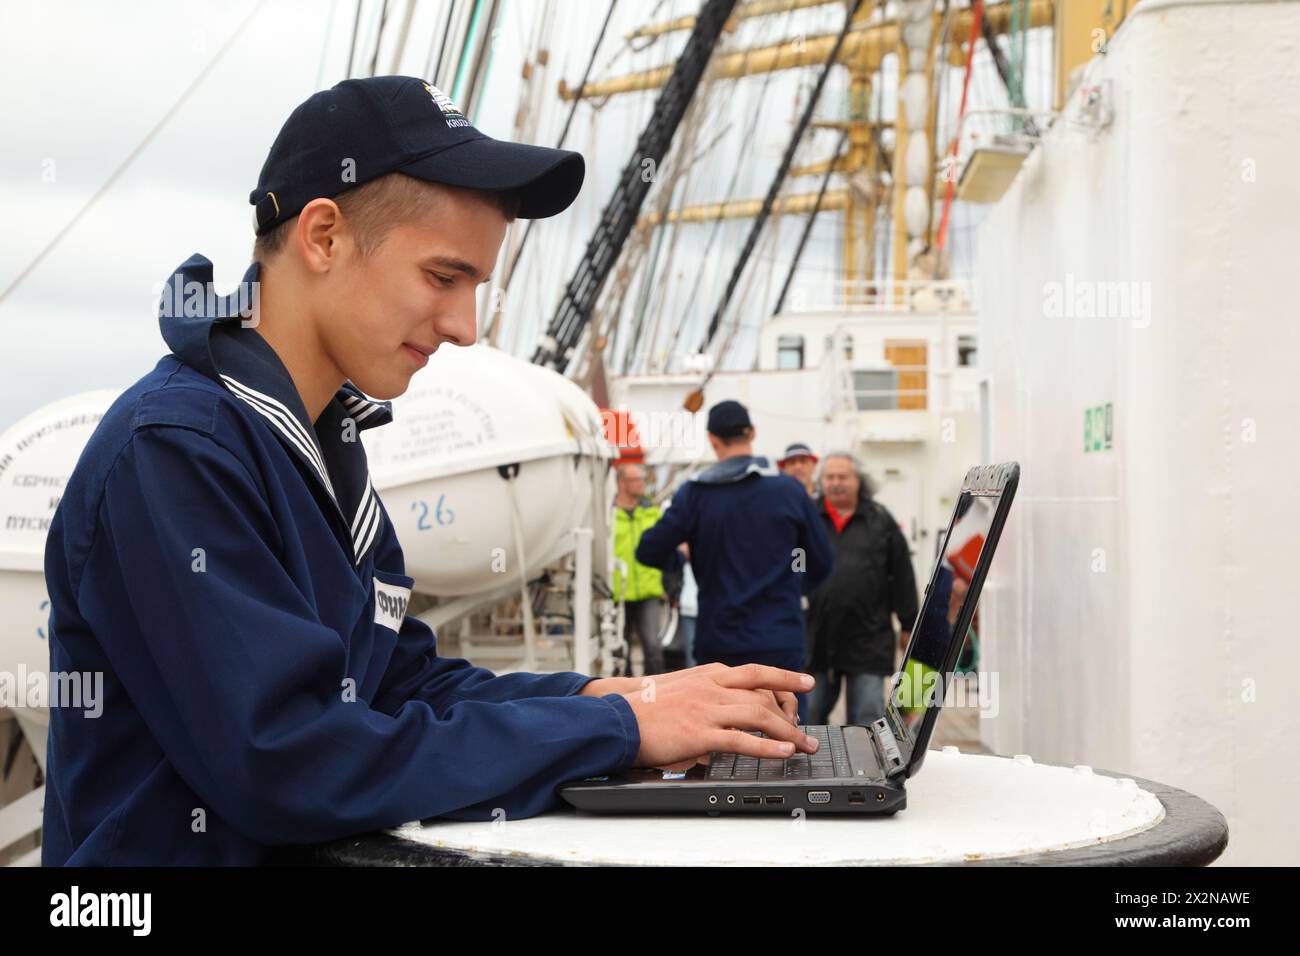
[{"x": 856, "y": 769}]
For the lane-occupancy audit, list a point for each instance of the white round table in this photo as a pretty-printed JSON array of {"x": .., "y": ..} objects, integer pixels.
[{"x": 961, "y": 809}]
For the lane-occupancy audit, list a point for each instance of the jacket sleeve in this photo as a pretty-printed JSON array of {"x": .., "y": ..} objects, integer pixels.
[
  {"x": 242, "y": 685},
  {"x": 902, "y": 578},
  {"x": 416, "y": 671},
  {"x": 658, "y": 545},
  {"x": 816, "y": 545}
]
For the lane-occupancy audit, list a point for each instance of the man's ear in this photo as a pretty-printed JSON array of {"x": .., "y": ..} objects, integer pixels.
[{"x": 320, "y": 235}]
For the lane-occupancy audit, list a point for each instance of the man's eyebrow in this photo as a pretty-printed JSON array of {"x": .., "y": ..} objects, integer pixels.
[{"x": 460, "y": 265}]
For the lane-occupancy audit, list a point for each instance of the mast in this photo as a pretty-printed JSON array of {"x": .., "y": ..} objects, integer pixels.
[
  {"x": 913, "y": 37},
  {"x": 574, "y": 312}
]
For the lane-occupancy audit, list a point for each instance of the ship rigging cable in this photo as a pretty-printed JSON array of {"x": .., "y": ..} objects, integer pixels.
[
  {"x": 131, "y": 157},
  {"x": 977, "y": 18},
  {"x": 716, "y": 227},
  {"x": 564, "y": 133},
  {"x": 768, "y": 201},
  {"x": 620, "y": 214}
]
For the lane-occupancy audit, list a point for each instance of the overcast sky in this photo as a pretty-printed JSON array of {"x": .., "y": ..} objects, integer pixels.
[{"x": 84, "y": 83}]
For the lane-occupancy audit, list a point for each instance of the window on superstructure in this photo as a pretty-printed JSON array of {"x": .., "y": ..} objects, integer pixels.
[
  {"x": 789, "y": 351},
  {"x": 966, "y": 352}
]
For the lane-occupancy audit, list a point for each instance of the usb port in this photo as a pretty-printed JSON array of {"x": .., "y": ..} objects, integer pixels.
[
  {"x": 857, "y": 796},
  {"x": 777, "y": 800},
  {"x": 752, "y": 799}
]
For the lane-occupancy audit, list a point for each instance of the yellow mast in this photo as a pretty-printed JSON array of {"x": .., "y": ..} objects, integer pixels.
[{"x": 867, "y": 43}]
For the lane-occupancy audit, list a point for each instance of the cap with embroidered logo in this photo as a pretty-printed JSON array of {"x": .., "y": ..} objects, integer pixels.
[{"x": 364, "y": 128}]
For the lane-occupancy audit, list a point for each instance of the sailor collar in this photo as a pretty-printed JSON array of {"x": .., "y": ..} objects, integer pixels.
[{"x": 209, "y": 332}]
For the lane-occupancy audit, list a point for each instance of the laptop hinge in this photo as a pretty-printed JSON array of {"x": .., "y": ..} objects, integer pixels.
[{"x": 887, "y": 752}]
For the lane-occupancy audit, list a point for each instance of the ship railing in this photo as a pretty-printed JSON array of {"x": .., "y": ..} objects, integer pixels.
[{"x": 884, "y": 295}]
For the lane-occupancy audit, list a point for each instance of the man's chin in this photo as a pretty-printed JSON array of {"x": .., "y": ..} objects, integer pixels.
[{"x": 383, "y": 389}]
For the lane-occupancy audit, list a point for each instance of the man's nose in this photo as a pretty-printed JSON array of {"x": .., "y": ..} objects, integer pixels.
[{"x": 460, "y": 327}]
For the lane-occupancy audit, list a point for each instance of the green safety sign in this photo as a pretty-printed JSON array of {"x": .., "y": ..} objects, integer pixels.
[{"x": 1098, "y": 427}]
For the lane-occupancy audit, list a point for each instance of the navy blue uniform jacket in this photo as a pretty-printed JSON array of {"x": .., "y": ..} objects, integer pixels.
[
  {"x": 228, "y": 567},
  {"x": 757, "y": 547}
]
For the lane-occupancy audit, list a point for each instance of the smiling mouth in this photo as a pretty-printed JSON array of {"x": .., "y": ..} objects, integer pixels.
[{"x": 418, "y": 354}]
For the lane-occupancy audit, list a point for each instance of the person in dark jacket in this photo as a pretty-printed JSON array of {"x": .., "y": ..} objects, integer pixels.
[
  {"x": 850, "y": 631},
  {"x": 756, "y": 546}
]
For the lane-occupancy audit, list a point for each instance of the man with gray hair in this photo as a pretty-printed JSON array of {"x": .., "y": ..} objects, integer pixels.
[{"x": 850, "y": 631}]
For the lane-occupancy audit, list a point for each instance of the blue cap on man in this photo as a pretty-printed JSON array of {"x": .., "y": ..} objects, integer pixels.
[
  {"x": 362, "y": 128},
  {"x": 728, "y": 419}
]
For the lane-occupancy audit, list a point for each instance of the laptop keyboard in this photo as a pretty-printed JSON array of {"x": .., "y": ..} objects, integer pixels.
[{"x": 831, "y": 760}]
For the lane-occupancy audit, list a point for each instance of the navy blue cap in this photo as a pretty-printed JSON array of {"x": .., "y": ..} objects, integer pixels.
[
  {"x": 364, "y": 128},
  {"x": 728, "y": 419}
]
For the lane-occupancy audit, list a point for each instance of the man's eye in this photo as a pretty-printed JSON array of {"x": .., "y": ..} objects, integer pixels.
[{"x": 445, "y": 280}]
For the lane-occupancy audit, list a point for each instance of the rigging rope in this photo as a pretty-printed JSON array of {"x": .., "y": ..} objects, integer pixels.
[{"x": 977, "y": 18}]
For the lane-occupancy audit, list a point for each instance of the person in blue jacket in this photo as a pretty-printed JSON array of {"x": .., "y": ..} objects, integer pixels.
[
  {"x": 755, "y": 544},
  {"x": 222, "y": 558}
]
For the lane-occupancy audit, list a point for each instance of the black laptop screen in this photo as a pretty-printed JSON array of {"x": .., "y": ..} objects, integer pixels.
[{"x": 934, "y": 644}]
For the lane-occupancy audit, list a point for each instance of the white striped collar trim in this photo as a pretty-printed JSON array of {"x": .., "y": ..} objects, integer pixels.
[
  {"x": 360, "y": 408},
  {"x": 286, "y": 423},
  {"x": 366, "y": 523}
]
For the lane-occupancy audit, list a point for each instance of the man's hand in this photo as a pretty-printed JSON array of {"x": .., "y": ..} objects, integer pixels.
[
  {"x": 688, "y": 714},
  {"x": 785, "y": 701}
]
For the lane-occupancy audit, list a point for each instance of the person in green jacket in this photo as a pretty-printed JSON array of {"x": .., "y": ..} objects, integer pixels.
[{"x": 642, "y": 586}]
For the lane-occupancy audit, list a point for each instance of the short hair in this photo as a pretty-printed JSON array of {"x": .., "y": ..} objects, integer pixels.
[
  {"x": 866, "y": 487},
  {"x": 736, "y": 438},
  {"x": 373, "y": 208},
  {"x": 621, "y": 471}
]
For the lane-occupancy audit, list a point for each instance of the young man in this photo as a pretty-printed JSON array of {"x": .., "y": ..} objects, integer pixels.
[{"x": 221, "y": 557}]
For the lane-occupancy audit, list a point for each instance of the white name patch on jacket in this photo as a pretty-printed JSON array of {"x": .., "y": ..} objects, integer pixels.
[{"x": 390, "y": 604}]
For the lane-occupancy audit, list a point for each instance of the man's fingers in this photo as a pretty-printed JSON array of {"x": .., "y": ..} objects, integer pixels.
[
  {"x": 748, "y": 717},
  {"x": 764, "y": 698},
  {"x": 783, "y": 702},
  {"x": 768, "y": 700},
  {"x": 789, "y": 704},
  {"x": 751, "y": 676},
  {"x": 696, "y": 671}
]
